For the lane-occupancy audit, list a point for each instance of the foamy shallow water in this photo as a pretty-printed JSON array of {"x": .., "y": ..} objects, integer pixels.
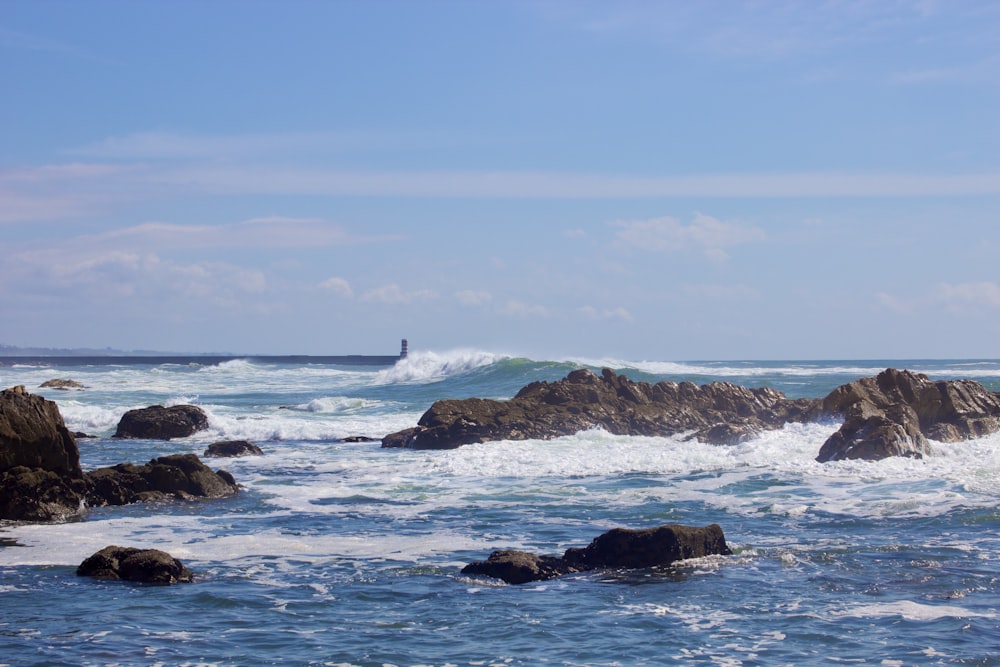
[{"x": 337, "y": 553}]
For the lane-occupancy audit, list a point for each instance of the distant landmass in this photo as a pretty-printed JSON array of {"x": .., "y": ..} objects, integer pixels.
[
  {"x": 12, "y": 354},
  {"x": 16, "y": 351}
]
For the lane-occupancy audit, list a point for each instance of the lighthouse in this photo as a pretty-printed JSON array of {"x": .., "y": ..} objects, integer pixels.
[{"x": 403, "y": 350}]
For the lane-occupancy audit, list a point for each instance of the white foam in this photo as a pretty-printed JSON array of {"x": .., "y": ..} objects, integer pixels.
[
  {"x": 426, "y": 366},
  {"x": 911, "y": 611}
]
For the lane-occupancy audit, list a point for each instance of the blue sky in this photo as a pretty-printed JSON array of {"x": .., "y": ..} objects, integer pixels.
[{"x": 639, "y": 180}]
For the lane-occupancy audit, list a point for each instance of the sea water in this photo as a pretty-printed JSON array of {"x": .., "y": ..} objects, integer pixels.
[{"x": 337, "y": 553}]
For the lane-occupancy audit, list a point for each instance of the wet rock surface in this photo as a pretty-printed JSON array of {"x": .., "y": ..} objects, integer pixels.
[
  {"x": 617, "y": 548},
  {"x": 159, "y": 423},
  {"x": 150, "y": 566}
]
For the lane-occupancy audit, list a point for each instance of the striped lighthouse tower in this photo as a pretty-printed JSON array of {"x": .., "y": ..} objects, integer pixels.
[{"x": 403, "y": 350}]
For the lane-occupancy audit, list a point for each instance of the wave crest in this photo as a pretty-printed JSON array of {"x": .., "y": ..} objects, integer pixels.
[{"x": 424, "y": 366}]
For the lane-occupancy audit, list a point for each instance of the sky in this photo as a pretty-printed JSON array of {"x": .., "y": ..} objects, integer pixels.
[{"x": 553, "y": 179}]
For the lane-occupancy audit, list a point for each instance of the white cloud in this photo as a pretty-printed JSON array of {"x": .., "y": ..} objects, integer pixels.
[
  {"x": 473, "y": 297},
  {"x": 394, "y": 294},
  {"x": 339, "y": 286},
  {"x": 722, "y": 292},
  {"x": 607, "y": 313},
  {"x": 893, "y": 304},
  {"x": 704, "y": 234},
  {"x": 515, "y": 308},
  {"x": 968, "y": 295}
]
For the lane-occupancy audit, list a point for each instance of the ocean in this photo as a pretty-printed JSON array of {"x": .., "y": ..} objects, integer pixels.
[{"x": 338, "y": 553}]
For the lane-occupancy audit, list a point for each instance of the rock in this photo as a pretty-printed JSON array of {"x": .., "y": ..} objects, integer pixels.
[
  {"x": 41, "y": 478},
  {"x": 358, "y": 438},
  {"x": 132, "y": 564},
  {"x": 159, "y": 423},
  {"x": 34, "y": 494},
  {"x": 58, "y": 383},
  {"x": 181, "y": 476},
  {"x": 33, "y": 435},
  {"x": 233, "y": 448},
  {"x": 896, "y": 412},
  {"x": 720, "y": 412},
  {"x": 617, "y": 548},
  {"x": 40, "y": 475}
]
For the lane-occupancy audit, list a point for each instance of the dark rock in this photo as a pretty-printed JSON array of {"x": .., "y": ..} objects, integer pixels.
[
  {"x": 159, "y": 423},
  {"x": 720, "y": 412},
  {"x": 181, "y": 476},
  {"x": 41, "y": 478},
  {"x": 896, "y": 412},
  {"x": 132, "y": 564},
  {"x": 358, "y": 438},
  {"x": 40, "y": 475},
  {"x": 58, "y": 383},
  {"x": 233, "y": 448},
  {"x": 33, "y": 435},
  {"x": 617, "y": 548},
  {"x": 34, "y": 494}
]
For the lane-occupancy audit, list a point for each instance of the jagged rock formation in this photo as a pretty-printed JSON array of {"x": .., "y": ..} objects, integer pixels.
[
  {"x": 896, "y": 412},
  {"x": 720, "y": 412},
  {"x": 159, "y": 423},
  {"x": 180, "y": 476},
  {"x": 233, "y": 448},
  {"x": 892, "y": 414},
  {"x": 131, "y": 564},
  {"x": 41, "y": 478},
  {"x": 617, "y": 548}
]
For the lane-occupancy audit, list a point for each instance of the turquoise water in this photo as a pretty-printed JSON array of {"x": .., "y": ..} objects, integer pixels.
[{"x": 349, "y": 554}]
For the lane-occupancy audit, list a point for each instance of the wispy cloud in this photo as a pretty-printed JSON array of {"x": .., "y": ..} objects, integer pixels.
[
  {"x": 393, "y": 294},
  {"x": 64, "y": 191},
  {"x": 618, "y": 313},
  {"x": 516, "y": 308},
  {"x": 705, "y": 234},
  {"x": 339, "y": 286},
  {"x": 473, "y": 297}
]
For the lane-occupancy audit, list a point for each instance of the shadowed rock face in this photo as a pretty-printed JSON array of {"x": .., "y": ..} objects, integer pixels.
[
  {"x": 617, "y": 548},
  {"x": 159, "y": 423},
  {"x": 896, "y": 412},
  {"x": 33, "y": 435},
  {"x": 892, "y": 414},
  {"x": 719, "y": 412},
  {"x": 131, "y": 564},
  {"x": 181, "y": 476}
]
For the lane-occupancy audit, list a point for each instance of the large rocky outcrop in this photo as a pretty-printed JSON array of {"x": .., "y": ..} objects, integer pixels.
[
  {"x": 40, "y": 475},
  {"x": 131, "y": 564},
  {"x": 719, "y": 412},
  {"x": 159, "y": 423},
  {"x": 892, "y": 414},
  {"x": 33, "y": 435},
  {"x": 41, "y": 478},
  {"x": 896, "y": 412},
  {"x": 617, "y": 548}
]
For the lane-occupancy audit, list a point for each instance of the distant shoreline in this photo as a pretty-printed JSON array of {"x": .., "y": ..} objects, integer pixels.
[{"x": 201, "y": 359}]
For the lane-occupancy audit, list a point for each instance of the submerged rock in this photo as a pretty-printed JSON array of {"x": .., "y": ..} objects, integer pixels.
[
  {"x": 159, "y": 423},
  {"x": 131, "y": 564},
  {"x": 59, "y": 383},
  {"x": 233, "y": 448},
  {"x": 617, "y": 548}
]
